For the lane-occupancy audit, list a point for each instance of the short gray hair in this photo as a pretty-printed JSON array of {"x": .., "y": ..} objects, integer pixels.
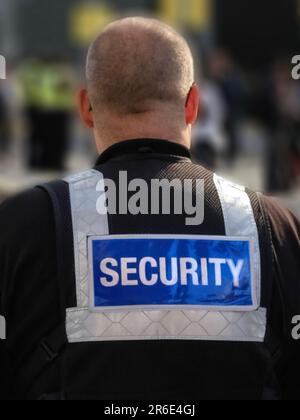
[{"x": 136, "y": 63}]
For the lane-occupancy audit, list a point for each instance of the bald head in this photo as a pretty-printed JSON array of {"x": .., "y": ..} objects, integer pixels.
[{"x": 139, "y": 65}]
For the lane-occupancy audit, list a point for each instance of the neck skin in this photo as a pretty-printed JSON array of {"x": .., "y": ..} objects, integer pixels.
[
  {"x": 110, "y": 130},
  {"x": 165, "y": 122}
]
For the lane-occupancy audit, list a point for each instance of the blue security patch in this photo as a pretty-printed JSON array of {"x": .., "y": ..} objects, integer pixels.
[{"x": 171, "y": 272}]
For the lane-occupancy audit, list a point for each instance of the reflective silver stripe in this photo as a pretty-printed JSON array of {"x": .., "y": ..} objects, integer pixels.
[
  {"x": 240, "y": 221},
  {"x": 85, "y": 326},
  {"x": 86, "y": 222}
]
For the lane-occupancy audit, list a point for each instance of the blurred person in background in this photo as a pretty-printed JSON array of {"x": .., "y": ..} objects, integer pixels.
[
  {"x": 11, "y": 117},
  {"x": 225, "y": 74},
  {"x": 209, "y": 138},
  {"x": 279, "y": 107},
  {"x": 4, "y": 130},
  {"x": 30, "y": 77},
  {"x": 48, "y": 102}
]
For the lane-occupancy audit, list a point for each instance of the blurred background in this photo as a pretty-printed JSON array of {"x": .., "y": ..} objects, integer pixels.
[{"x": 249, "y": 127}]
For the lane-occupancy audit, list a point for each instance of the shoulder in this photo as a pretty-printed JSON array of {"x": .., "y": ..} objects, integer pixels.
[
  {"x": 285, "y": 228},
  {"x": 27, "y": 243},
  {"x": 25, "y": 214},
  {"x": 284, "y": 224}
]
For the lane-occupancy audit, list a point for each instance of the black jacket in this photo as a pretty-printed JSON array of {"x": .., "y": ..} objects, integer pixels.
[{"x": 142, "y": 370}]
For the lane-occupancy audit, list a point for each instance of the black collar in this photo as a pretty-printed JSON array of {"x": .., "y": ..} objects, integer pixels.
[{"x": 143, "y": 146}]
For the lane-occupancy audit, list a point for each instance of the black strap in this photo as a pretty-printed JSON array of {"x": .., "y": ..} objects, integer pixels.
[
  {"x": 51, "y": 347},
  {"x": 272, "y": 273},
  {"x": 266, "y": 247},
  {"x": 272, "y": 341},
  {"x": 267, "y": 251},
  {"x": 58, "y": 192}
]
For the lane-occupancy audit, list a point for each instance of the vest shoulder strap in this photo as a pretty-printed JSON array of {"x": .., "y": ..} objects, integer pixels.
[
  {"x": 58, "y": 192},
  {"x": 239, "y": 219},
  {"x": 83, "y": 190},
  {"x": 52, "y": 346},
  {"x": 244, "y": 213}
]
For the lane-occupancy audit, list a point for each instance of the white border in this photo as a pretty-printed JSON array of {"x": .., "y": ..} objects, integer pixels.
[{"x": 254, "y": 296}]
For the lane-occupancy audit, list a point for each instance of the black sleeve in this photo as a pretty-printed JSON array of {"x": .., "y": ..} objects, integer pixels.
[
  {"x": 28, "y": 278},
  {"x": 5, "y": 363},
  {"x": 6, "y": 376},
  {"x": 286, "y": 243}
]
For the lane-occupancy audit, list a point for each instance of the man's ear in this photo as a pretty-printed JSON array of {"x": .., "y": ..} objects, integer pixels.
[
  {"x": 192, "y": 105},
  {"x": 85, "y": 109}
]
